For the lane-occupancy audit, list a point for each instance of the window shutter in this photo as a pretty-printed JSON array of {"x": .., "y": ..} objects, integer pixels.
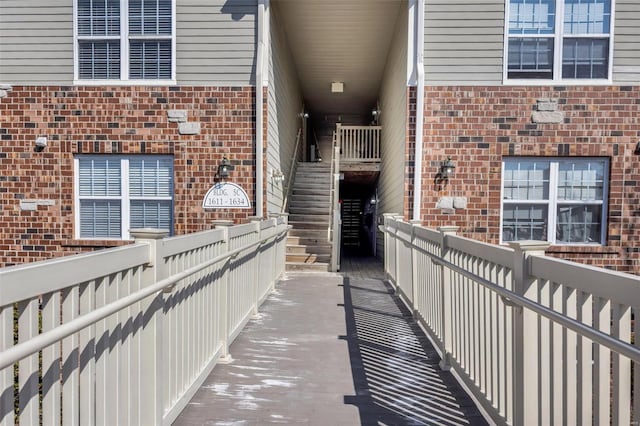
[
  {"x": 99, "y": 177},
  {"x": 99, "y": 60},
  {"x": 151, "y": 214},
  {"x": 151, "y": 177},
  {"x": 98, "y": 17},
  {"x": 100, "y": 219},
  {"x": 150, "y": 59}
]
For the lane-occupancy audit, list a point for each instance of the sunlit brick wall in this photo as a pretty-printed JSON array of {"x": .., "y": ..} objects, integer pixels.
[{"x": 114, "y": 120}]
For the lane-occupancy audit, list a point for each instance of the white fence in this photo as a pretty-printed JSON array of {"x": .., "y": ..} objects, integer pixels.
[
  {"x": 125, "y": 336},
  {"x": 359, "y": 143},
  {"x": 536, "y": 340}
]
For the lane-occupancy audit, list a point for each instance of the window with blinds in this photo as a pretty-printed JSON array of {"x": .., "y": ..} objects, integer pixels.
[
  {"x": 124, "y": 39},
  {"x": 115, "y": 194}
]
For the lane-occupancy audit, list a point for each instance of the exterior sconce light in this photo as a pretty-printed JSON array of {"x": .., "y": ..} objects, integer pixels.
[
  {"x": 224, "y": 168},
  {"x": 376, "y": 113},
  {"x": 446, "y": 170},
  {"x": 303, "y": 114},
  {"x": 277, "y": 176},
  {"x": 41, "y": 143}
]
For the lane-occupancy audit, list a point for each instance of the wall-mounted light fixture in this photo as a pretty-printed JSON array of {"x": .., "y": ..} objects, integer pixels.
[
  {"x": 41, "y": 143},
  {"x": 224, "y": 168},
  {"x": 303, "y": 114},
  {"x": 637, "y": 150},
  {"x": 276, "y": 176},
  {"x": 446, "y": 170},
  {"x": 376, "y": 113}
]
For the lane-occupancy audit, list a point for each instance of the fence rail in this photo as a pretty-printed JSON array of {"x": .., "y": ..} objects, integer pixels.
[
  {"x": 126, "y": 336},
  {"x": 537, "y": 340}
]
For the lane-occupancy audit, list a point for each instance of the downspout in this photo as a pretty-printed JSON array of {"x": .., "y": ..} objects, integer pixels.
[
  {"x": 261, "y": 56},
  {"x": 419, "y": 52}
]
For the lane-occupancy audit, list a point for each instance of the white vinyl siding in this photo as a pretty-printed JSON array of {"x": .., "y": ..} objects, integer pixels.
[
  {"x": 393, "y": 104},
  {"x": 463, "y": 42},
  {"x": 562, "y": 201},
  {"x": 284, "y": 107},
  {"x": 115, "y": 194},
  {"x": 125, "y": 40},
  {"x": 558, "y": 40},
  {"x": 216, "y": 42}
]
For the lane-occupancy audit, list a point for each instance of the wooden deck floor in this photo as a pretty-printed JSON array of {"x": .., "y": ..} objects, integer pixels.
[{"x": 332, "y": 349}]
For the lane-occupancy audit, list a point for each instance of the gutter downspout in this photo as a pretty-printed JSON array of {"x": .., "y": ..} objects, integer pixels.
[
  {"x": 419, "y": 52},
  {"x": 261, "y": 55}
]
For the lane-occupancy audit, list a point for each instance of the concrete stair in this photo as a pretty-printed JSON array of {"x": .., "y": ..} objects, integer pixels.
[{"x": 309, "y": 216}]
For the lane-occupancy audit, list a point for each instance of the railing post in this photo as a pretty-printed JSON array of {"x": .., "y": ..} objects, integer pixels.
[
  {"x": 151, "y": 361},
  {"x": 225, "y": 356},
  {"x": 414, "y": 269},
  {"x": 525, "y": 336},
  {"x": 447, "y": 300},
  {"x": 386, "y": 218},
  {"x": 256, "y": 265}
]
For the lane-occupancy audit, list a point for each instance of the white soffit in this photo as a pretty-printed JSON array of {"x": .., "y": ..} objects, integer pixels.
[{"x": 339, "y": 41}]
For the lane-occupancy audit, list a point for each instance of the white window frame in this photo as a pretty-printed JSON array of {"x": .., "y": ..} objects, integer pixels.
[
  {"x": 124, "y": 197},
  {"x": 552, "y": 203},
  {"x": 558, "y": 45},
  {"x": 124, "y": 50}
]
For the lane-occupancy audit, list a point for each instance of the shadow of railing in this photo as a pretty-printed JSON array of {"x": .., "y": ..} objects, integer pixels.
[{"x": 395, "y": 368}]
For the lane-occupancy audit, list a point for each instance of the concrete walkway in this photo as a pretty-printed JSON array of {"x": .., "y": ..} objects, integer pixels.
[{"x": 332, "y": 349}]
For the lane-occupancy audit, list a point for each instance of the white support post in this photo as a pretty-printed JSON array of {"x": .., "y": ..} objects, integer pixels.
[
  {"x": 151, "y": 360},
  {"x": 414, "y": 270},
  {"x": 447, "y": 300},
  {"x": 225, "y": 357},
  {"x": 526, "y": 374},
  {"x": 256, "y": 269}
]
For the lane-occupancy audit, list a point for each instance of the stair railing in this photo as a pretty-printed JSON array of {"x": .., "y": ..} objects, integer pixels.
[
  {"x": 336, "y": 221},
  {"x": 292, "y": 173}
]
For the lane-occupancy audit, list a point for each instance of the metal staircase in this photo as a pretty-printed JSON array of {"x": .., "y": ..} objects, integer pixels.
[{"x": 308, "y": 248}]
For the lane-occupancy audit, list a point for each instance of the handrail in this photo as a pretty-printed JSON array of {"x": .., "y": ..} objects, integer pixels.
[
  {"x": 23, "y": 350},
  {"x": 334, "y": 228},
  {"x": 515, "y": 300},
  {"x": 292, "y": 172}
]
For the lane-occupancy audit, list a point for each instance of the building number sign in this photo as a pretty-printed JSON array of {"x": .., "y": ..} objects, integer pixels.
[{"x": 226, "y": 195}]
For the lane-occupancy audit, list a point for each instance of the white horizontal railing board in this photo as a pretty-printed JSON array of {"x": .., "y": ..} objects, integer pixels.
[
  {"x": 24, "y": 281},
  {"x": 183, "y": 243},
  {"x": 266, "y": 224},
  {"x": 427, "y": 234},
  {"x": 496, "y": 254},
  {"x": 615, "y": 286},
  {"x": 240, "y": 230}
]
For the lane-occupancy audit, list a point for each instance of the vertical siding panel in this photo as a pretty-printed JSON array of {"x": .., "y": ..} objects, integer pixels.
[{"x": 393, "y": 103}]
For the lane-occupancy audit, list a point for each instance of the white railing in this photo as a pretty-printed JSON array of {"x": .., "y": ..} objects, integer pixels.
[
  {"x": 126, "y": 336},
  {"x": 335, "y": 225},
  {"x": 359, "y": 143},
  {"x": 536, "y": 340}
]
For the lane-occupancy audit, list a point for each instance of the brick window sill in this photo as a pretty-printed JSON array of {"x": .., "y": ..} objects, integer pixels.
[
  {"x": 583, "y": 249},
  {"x": 96, "y": 243}
]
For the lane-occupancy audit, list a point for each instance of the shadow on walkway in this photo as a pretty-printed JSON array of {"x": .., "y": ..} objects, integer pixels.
[
  {"x": 331, "y": 349},
  {"x": 394, "y": 366}
]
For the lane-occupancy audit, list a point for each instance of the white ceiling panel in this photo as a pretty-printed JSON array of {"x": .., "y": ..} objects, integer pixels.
[{"x": 339, "y": 40}]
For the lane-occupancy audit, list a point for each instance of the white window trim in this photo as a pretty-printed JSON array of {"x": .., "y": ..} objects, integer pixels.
[
  {"x": 557, "y": 53},
  {"x": 124, "y": 51},
  {"x": 124, "y": 197},
  {"x": 552, "y": 202}
]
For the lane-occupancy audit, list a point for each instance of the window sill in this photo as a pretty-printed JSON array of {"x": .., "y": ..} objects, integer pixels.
[
  {"x": 536, "y": 82},
  {"x": 589, "y": 249},
  {"x": 125, "y": 82},
  {"x": 95, "y": 243}
]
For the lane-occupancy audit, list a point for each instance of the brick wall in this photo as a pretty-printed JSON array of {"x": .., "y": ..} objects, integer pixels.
[
  {"x": 118, "y": 120},
  {"x": 478, "y": 126}
]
